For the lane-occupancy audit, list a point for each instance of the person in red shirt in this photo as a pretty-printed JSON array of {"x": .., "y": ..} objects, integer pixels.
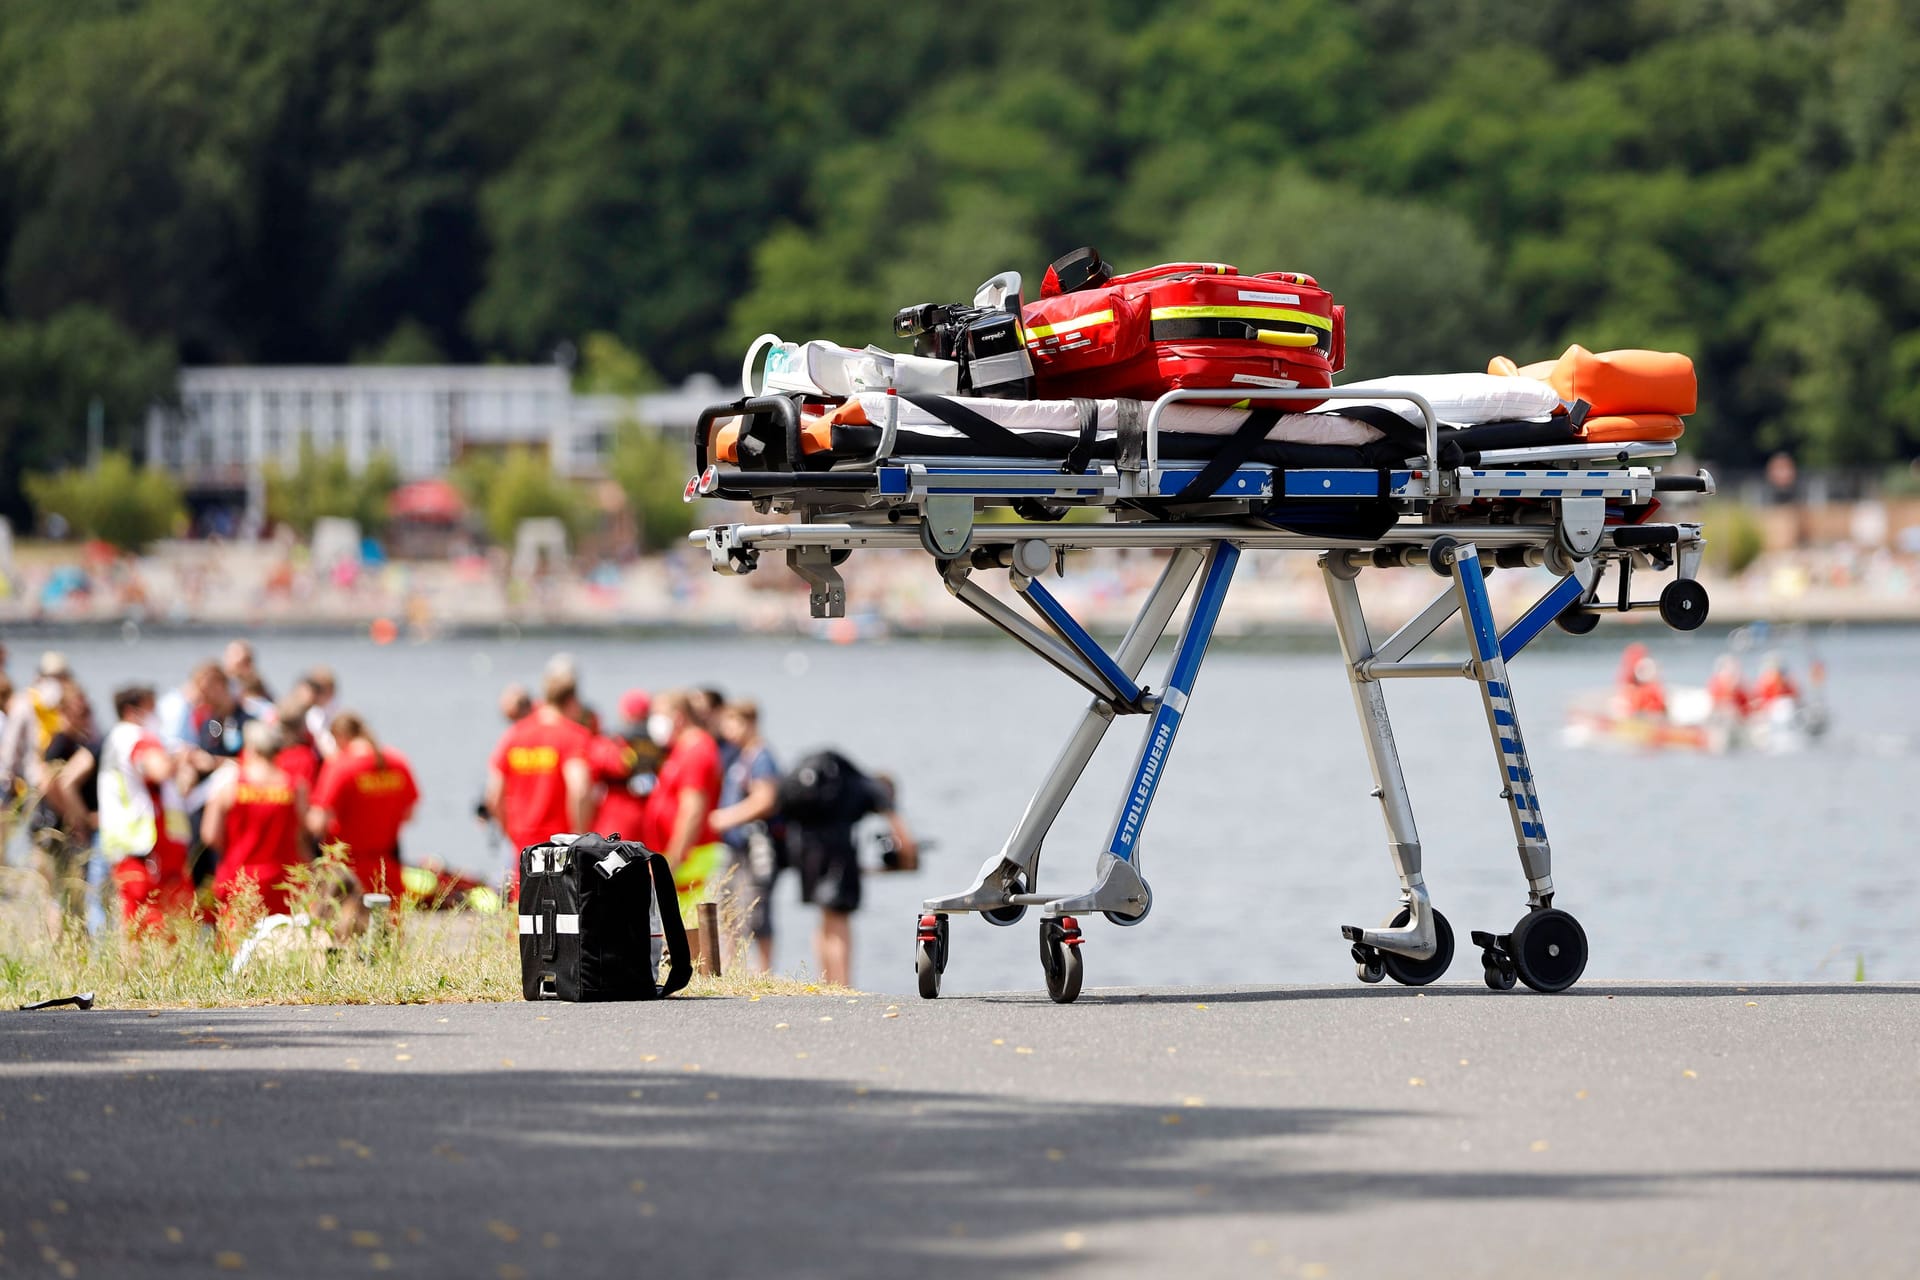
[
  {"x": 539, "y": 782},
  {"x": 253, "y": 821},
  {"x": 366, "y": 793},
  {"x": 143, "y": 825},
  {"x": 684, "y": 798},
  {"x": 624, "y": 767}
]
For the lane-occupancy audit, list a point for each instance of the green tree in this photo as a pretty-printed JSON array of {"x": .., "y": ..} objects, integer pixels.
[
  {"x": 651, "y": 471},
  {"x": 50, "y": 375},
  {"x": 517, "y": 485},
  {"x": 326, "y": 484},
  {"x": 114, "y": 501}
]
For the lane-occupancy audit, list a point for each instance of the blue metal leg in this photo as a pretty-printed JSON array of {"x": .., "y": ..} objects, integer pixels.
[
  {"x": 1510, "y": 748},
  {"x": 1125, "y": 689},
  {"x": 1118, "y": 888}
]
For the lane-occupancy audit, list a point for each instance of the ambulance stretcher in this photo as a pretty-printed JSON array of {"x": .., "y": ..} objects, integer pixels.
[{"x": 1573, "y": 506}]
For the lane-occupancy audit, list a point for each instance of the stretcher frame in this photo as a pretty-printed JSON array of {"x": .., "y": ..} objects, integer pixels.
[{"x": 889, "y": 502}]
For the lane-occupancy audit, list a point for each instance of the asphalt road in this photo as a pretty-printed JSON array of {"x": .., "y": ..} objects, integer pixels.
[{"x": 1615, "y": 1131}]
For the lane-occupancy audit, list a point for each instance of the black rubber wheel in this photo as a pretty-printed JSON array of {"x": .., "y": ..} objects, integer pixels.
[
  {"x": 1577, "y": 619},
  {"x": 1549, "y": 950},
  {"x": 1061, "y": 963},
  {"x": 1497, "y": 976},
  {"x": 926, "y": 967},
  {"x": 1440, "y": 555},
  {"x": 1409, "y": 972},
  {"x": 1367, "y": 965},
  {"x": 1010, "y": 915},
  {"x": 1683, "y": 604}
]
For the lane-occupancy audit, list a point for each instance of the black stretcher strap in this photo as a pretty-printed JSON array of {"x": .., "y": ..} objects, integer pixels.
[
  {"x": 983, "y": 431},
  {"x": 1233, "y": 453}
]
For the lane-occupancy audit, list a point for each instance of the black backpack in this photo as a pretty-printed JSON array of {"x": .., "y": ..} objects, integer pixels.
[
  {"x": 586, "y": 910},
  {"x": 825, "y": 788}
]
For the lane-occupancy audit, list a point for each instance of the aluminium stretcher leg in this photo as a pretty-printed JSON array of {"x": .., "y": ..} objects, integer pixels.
[
  {"x": 1547, "y": 950},
  {"x": 1413, "y": 937},
  {"x": 1005, "y": 885}
]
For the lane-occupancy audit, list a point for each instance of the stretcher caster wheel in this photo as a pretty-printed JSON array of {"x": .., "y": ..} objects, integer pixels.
[
  {"x": 1497, "y": 971},
  {"x": 930, "y": 955},
  {"x": 1440, "y": 555},
  {"x": 1409, "y": 972},
  {"x": 1683, "y": 604},
  {"x": 1548, "y": 950},
  {"x": 1011, "y": 914},
  {"x": 1367, "y": 965},
  {"x": 1576, "y": 619},
  {"x": 1060, "y": 958}
]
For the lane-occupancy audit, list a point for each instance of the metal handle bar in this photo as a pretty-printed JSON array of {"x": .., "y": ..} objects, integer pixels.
[
  {"x": 1297, "y": 393},
  {"x": 748, "y": 409}
]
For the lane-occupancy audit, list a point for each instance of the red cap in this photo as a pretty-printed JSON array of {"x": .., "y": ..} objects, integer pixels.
[{"x": 634, "y": 705}]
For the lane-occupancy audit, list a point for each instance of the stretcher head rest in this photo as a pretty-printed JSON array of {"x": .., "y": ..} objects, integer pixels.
[
  {"x": 1622, "y": 428},
  {"x": 1626, "y": 382}
]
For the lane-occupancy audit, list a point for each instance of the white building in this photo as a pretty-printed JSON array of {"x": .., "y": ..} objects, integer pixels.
[{"x": 231, "y": 423}]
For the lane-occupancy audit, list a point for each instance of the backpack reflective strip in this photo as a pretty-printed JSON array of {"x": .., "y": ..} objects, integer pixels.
[
  {"x": 1035, "y": 332},
  {"x": 561, "y": 924},
  {"x": 1241, "y": 313}
]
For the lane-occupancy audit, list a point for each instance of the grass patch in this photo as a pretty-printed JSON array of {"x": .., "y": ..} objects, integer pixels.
[{"x": 432, "y": 957}]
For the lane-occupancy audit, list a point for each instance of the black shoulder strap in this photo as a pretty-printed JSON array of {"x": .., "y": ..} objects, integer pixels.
[
  {"x": 991, "y": 436},
  {"x": 1234, "y": 452},
  {"x": 680, "y": 971}
]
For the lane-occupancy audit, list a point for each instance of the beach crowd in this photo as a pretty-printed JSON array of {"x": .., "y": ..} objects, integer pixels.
[{"x": 180, "y": 804}]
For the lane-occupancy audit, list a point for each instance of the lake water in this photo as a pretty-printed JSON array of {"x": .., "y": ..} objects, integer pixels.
[{"x": 1264, "y": 839}]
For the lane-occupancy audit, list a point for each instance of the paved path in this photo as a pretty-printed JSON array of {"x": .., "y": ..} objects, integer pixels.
[{"x": 1626, "y": 1131}]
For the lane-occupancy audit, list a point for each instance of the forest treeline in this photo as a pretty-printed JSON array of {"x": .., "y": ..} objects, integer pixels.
[{"x": 332, "y": 180}]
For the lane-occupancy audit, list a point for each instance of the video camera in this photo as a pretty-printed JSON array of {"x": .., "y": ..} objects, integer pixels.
[{"x": 985, "y": 339}]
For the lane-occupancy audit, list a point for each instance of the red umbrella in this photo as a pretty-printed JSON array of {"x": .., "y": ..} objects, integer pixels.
[{"x": 428, "y": 501}]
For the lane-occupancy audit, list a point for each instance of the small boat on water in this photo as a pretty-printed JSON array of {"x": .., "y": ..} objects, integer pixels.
[{"x": 1774, "y": 714}]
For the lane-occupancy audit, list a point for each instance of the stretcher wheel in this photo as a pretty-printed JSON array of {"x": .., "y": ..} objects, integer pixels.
[
  {"x": 1549, "y": 950},
  {"x": 926, "y": 968},
  {"x": 1683, "y": 604},
  {"x": 1367, "y": 965},
  {"x": 1060, "y": 958},
  {"x": 930, "y": 955},
  {"x": 1409, "y": 972},
  {"x": 1440, "y": 555},
  {"x": 1012, "y": 914},
  {"x": 1497, "y": 974},
  {"x": 1576, "y": 619}
]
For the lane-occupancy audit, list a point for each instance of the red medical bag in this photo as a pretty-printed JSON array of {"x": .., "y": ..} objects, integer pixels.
[{"x": 1186, "y": 324}]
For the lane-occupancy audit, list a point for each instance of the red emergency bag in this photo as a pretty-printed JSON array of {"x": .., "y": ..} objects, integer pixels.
[{"x": 1185, "y": 324}]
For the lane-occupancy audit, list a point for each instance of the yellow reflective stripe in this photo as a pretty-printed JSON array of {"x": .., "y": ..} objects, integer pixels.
[
  {"x": 1035, "y": 332},
  {"x": 1242, "y": 313}
]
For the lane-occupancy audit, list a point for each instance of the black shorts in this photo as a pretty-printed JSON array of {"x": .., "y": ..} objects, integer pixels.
[{"x": 829, "y": 868}]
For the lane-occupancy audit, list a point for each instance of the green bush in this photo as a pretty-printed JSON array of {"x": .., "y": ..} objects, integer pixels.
[
  {"x": 324, "y": 484},
  {"x": 1735, "y": 537},
  {"x": 519, "y": 485},
  {"x": 652, "y": 472},
  {"x": 115, "y": 501}
]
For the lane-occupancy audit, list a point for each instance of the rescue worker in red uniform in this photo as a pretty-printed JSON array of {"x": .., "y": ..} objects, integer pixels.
[
  {"x": 539, "y": 782},
  {"x": 682, "y": 801},
  {"x": 365, "y": 794},
  {"x": 624, "y": 767},
  {"x": 252, "y": 821},
  {"x": 1726, "y": 688},
  {"x": 1774, "y": 684}
]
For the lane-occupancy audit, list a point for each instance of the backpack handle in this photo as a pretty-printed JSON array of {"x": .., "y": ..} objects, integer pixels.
[{"x": 1176, "y": 269}]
